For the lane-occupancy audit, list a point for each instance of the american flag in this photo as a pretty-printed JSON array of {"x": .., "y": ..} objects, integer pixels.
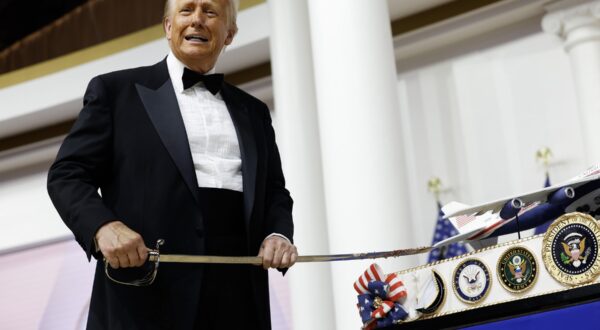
[
  {"x": 463, "y": 220},
  {"x": 543, "y": 227},
  {"x": 444, "y": 229}
]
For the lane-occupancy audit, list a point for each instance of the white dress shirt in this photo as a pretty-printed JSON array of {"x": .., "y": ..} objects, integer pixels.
[
  {"x": 210, "y": 131},
  {"x": 213, "y": 141}
]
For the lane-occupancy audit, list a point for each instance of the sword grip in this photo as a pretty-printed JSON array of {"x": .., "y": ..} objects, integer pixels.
[{"x": 153, "y": 256}]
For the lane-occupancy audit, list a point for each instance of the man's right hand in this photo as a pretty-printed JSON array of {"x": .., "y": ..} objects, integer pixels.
[{"x": 121, "y": 246}]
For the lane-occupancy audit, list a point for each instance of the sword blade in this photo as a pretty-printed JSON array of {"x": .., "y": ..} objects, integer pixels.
[{"x": 181, "y": 258}]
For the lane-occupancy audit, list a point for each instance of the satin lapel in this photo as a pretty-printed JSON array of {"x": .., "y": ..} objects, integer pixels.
[
  {"x": 243, "y": 127},
  {"x": 163, "y": 110}
]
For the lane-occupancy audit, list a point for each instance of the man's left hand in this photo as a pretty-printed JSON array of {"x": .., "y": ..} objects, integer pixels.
[{"x": 277, "y": 252}]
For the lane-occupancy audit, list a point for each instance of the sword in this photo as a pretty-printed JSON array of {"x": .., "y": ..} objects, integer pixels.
[{"x": 156, "y": 257}]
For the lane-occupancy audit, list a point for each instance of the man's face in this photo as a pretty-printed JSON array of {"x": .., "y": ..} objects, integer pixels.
[{"x": 198, "y": 30}]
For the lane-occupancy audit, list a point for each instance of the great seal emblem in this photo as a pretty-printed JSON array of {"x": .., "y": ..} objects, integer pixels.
[{"x": 570, "y": 249}]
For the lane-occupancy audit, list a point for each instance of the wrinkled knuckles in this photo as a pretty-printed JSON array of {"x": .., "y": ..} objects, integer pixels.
[{"x": 109, "y": 251}]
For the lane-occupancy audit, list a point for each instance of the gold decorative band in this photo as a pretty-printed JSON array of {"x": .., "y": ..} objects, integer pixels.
[{"x": 570, "y": 256}]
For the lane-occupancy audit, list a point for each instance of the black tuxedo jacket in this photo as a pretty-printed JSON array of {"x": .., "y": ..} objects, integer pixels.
[{"x": 127, "y": 157}]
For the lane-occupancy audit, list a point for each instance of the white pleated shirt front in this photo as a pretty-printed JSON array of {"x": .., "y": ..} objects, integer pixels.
[{"x": 213, "y": 141}]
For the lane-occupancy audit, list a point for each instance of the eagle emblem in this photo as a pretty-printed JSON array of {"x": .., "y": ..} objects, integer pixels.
[
  {"x": 472, "y": 282},
  {"x": 574, "y": 251},
  {"x": 570, "y": 249},
  {"x": 517, "y": 267}
]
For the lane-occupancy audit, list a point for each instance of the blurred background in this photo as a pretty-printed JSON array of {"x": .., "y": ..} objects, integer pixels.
[{"x": 371, "y": 99}]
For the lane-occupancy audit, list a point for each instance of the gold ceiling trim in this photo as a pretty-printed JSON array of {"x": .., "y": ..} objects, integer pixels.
[{"x": 81, "y": 56}]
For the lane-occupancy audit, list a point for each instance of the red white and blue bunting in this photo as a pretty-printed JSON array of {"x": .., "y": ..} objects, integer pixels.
[{"x": 380, "y": 298}]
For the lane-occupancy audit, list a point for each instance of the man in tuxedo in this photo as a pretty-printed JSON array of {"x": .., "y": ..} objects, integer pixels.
[{"x": 171, "y": 151}]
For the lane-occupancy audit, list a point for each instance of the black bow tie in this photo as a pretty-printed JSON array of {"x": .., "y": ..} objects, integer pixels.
[{"x": 213, "y": 82}]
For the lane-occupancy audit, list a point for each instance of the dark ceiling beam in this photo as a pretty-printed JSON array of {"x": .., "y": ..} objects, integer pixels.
[
  {"x": 38, "y": 134},
  {"x": 91, "y": 23},
  {"x": 249, "y": 74},
  {"x": 19, "y": 18},
  {"x": 437, "y": 14}
]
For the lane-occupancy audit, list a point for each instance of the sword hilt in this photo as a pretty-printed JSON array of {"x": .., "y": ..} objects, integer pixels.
[{"x": 154, "y": 255}]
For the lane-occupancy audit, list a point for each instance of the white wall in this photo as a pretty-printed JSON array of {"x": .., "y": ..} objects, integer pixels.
[{"x": 27, "y": 217}]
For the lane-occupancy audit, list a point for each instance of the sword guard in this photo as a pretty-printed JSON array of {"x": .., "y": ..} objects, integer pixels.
[{"x": 154, "y": 255}]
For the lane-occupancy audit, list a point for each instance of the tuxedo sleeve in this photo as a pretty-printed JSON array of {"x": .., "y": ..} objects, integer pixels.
[
  {"x": 82, "y": 164},
  {"x": 279, "y": 203}
]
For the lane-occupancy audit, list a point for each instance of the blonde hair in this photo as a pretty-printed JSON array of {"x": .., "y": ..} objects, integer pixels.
[{"x": 231, "y": 12}]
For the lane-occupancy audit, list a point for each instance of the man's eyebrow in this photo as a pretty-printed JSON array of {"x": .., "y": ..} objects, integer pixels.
[
  {"x": 210, "y": 5},
  {"x": 185, "y": 3}
]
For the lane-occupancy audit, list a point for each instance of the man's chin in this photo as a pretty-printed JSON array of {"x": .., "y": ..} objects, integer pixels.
[
  {"x": 197, "y": 54},
  {"x": 197, "y": 59}
]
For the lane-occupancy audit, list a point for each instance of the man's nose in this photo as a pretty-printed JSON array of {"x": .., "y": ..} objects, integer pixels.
[{"x": 198, "y": 18}]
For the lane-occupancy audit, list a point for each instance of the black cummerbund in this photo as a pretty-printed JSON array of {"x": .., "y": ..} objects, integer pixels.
[
  {"x": 225, "y": 284},
  {"x": 223, "y": 219}
]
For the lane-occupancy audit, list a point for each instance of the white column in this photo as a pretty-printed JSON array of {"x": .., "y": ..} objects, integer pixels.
[
  {"x": 578, "y": 24},
  {"x": 361, "y": 143},
  {"x": 296, "y": 115}
]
